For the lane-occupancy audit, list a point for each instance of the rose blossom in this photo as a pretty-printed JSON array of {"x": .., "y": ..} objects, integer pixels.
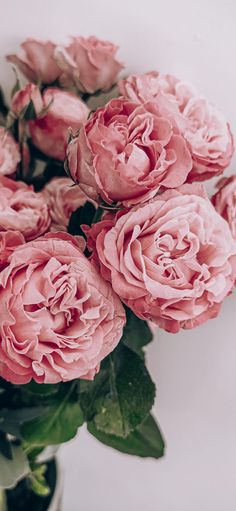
[
  {"x": 125, "y": 152},
  {"x": 9, "y": 240},
  {"x": 37, "y": 61},
  {"x": 59, "y": 318},
  {"x": 225, "y": 201},
  {"x": 22, "y": 98},
  {"x": 50, "y": 132},
  {"x": 9, "y": 153},
  {"x": 63, "y": 198},
  {"x": 89, "y": 63},
  {"x": 203, "y": 126},
  {"x": 149, "y": 86},
  {"x": 172, "y": 261},
  {"x": 21, "y": 209}
]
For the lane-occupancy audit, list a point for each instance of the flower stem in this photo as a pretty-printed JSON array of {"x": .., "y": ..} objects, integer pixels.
[
  {"x": 3, "y": 501},
  {"x": 97, "y": 216}
]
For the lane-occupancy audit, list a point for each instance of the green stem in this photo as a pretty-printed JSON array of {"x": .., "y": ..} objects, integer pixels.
[
  {"x": 3, "y": 501},
  {"x": 97, "y": 216}
]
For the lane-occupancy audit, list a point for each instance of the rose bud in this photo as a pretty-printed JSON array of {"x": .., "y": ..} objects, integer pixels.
[
  {"x": 9, "y": 153},
  {"x": 89, "y": 63},
  {"x": 24, "y": 99},
  {"x": 37, "y": 62},
  {"x": 50, "y": 132}
]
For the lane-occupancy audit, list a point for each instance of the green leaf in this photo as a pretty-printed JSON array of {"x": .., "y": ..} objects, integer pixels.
[
  {"x": 131, "y": 395},
  {"x": 3, "y": 106},
  {"x": 92, "y": 391},
  {"x": 38, "y": 481},
  {"x": 17, "y": 85},
  {"x": 41, "y": 389},
  {"x": 44, "y": 110},
  {"x": 12, "y": 420},
  {"x": 82, "y": 215},
  {"x": 5, "y": 446},
  {"x": 145, "y": 441},
  {"x": 136, "y": 334},
  {"x": 13, "y": 470},
  {"x": 59, "y": 424},
  {"x": 28, "y": 113},
  {"x": 100, "y": 97},
  {"x": 54, "y": 168}
]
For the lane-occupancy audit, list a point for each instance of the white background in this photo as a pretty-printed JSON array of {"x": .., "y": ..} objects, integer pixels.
[{"x": 195, "y": 371}]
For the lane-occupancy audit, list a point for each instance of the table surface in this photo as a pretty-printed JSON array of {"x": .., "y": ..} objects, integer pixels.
[{"x": 195, "y": 371}]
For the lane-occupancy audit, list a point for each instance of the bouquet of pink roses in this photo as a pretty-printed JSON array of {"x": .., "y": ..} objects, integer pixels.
[{"x": 105, "y": 230}]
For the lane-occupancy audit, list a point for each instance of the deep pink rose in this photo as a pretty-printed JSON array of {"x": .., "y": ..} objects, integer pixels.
[
  {"x": 23, "y": 97},
  {"x": 63, "y": 197},
  {"x": 203, "y": 126},
  {"x": 50, "y": 133},
  {"x": 9, "y": 153},
  {"x": 126, "y": 152},
  {"x": 59, "y": 318},
  {"x": 9, "y": 240},
  {"x": 172, "y": 261},
  {"x": 37, "y": 61},
  {"x": 21, "y": 209},
  {"x": 225, "y": 201},
  {"x": 89, "y": 63}
]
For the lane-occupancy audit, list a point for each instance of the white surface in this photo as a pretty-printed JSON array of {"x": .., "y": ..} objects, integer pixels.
[
  {"x": 196, "y": 379},
  {"x": 195, "y": 371}
]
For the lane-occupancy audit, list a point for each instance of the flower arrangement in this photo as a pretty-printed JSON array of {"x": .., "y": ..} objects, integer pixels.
[{"x": 106, "y": 230}]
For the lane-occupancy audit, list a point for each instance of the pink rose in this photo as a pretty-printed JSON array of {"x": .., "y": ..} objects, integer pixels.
[
  {"x": 21, "y": 209},
  {"x": 172, "y": 261},
  {"x": 50, "y": 133},
  {"x": 126, "y": 152},
  {"x": 59, "y": 318},
  {"x": 203, "y": 126},
  {"x": 37, "y": 61},
  {"x": 9, "y": 153},
  {"x": 22, "y": 98},
  {"x": 89, "y": 63},
  {"x": 225, "y": 201},
  {"x": 9, "y": 240},
  {"x": 148, "y": 87},
  {"x": 63, "y": 198}
]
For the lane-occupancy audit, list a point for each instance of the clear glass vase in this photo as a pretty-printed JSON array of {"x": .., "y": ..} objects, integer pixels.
[{"x": 17, "y": 497}]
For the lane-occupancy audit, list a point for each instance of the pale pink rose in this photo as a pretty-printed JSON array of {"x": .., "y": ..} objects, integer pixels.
[
  {"x": 225, "y": 201},
  {"x": 21, "y": 209},
  {"x": 89, "y": 63},
  {"x": 59, "y": 318},
  {"x": 9, "y": 240},
  {"x": 36, "y": 61},
  {"x": 203, "y": 126},
  {"x": 63, "y": 197},
  {"x": 50, "y": 132},
  {"x": 9, "y": 153},
  {"x": 22, "y": 99},
  {"x": 172, "y": 261},
  {"x": 126, "y": 152},
  {"x": 149, "y": 86}
]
